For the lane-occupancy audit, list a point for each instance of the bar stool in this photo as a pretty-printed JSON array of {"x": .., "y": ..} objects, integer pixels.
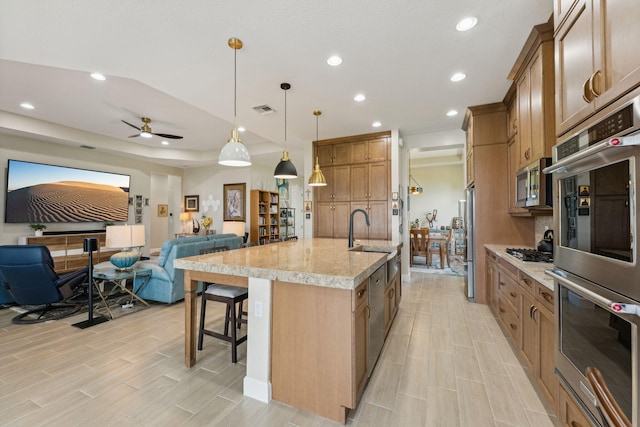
[{"x": 229, "y": 295}]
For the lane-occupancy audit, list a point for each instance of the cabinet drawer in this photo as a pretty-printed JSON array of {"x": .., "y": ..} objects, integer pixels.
[
  {"x": 527, "y": 283},
  {"x": 360, "y": 294},
  {"x": 544, "y": 296},
  {"x": 491, "y": 256},
  {"x": 507, "y": 266},
  {"x": 509, "y": 319},
  {"x": 509, "y": 290}
]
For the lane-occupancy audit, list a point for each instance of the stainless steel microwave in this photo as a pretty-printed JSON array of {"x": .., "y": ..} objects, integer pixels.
[{"x": 533, "y": 187}]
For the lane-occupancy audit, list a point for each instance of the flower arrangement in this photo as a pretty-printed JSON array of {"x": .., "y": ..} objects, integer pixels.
[{"x": 206, "y": 222}]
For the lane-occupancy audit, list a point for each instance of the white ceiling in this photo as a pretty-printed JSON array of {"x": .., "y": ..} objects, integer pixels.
[{"x": 169, "y": 60}]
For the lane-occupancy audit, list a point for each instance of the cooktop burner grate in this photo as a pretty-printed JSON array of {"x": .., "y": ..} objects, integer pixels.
[{"x": 530, "y": 255}]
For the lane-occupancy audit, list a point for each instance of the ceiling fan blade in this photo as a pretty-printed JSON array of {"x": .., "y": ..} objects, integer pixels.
[
  {"x": 166, "y": 135},
  {"x": 133, "y": 126},
  {"x": 134, "y": 136}
]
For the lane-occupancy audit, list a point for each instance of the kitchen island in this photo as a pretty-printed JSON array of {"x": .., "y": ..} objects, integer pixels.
[{"x": 307, "y": 322}]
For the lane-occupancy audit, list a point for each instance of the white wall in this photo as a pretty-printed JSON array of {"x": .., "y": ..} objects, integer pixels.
[
  {"x": 19, "y": 148},
  {"x": 443, "y": 187}
]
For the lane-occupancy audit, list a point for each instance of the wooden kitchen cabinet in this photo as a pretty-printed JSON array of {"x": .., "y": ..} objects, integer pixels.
[
  {"x": 492, "y": 280},
  {"x": 363, "y": 180},
  {"x": 361, "y": 337},
  {"x": 370, "y": 181},
  {"x": 533, "y": 73},
  {"x": 337, "y": 188},
  {"x": 333, "y": 154},
  {"x": 378, "y": 211},
  {"x": 569, "y": 414},
  {"x": 371, "y": 150},
  {"x": 332, "y": 219},
  {"x": 596, "y": 58},
  {"x": 390, "y": 304}
]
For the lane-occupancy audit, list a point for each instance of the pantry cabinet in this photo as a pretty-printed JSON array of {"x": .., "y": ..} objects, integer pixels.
[
  {"x": 596, "y": 57},
  {"x": 362, "y": 182}
]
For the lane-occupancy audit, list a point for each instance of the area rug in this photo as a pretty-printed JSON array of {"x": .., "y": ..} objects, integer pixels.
[{"x": 456, "y": 268}]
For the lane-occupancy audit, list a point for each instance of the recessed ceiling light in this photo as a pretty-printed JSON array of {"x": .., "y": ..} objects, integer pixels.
[
  {"x": 241, "y": 129},
  {"x": 467, "y": 23},
  {"x": 27, "y": 106},
  {"x": 98, "y": 76},
  {"x": 334, "y": 61},
  {"x": 376, "y": 124},
  {"x": 359, "y": 97},
  {"x": 452, "y": 113},
  {"x": 458, "y": 76},
  {"x": 164, "y": 143}
]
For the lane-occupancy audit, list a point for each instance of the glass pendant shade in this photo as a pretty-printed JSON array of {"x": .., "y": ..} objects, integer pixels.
[
  {"x": 285, "y": 169},
  {"x": 234, "y": 152}
]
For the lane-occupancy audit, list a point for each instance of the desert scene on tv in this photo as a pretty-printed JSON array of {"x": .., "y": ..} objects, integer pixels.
[{"x": 49, "y": 194}]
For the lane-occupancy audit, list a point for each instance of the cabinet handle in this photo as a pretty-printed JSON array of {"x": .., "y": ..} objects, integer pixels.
[
  {"x": 575, "y": 424},
  {"x": 392, "y": 292},
  {"x": 547, "y": 296},
  {"x": 531, "y": 310},
  {"x": 592, "y": 87},
  {"x": 360, "y": 293},
  {"x": 533, "y": 313},
  {"x": 514, "y": 327},
  {"x": 527, "y": 281},
  {"x": 501, "y": 284},
  {"x": 502, "y": 310},
  {"x": 368, "y": 313},
  {"x": 586, "y": 93},
  {"x": 513, "y": 294}
]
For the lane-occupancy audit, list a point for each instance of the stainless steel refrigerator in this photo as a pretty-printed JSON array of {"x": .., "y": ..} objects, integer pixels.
[{"x": 470, "y": 276}]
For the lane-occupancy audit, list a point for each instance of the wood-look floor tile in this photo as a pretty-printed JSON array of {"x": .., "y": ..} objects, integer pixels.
[
  {"x": 537, "y": 419},
  {"x": 529, "y": 399},
  {"x": 489, "y": 357},
  {"x": 372, "y": 416},
  {"x": 473, "y": 404},
  {"x": 442, "y": 407},
  {"x": 413, "y": 381},
  {"x": 409, "y": 411},
  {"x": 383, "y": 387},
  {"x": 441, "y": 370},
  {"x": 503, "y": 399},
  {"x": 466, "y": 363},
  {"x": 395, "y": 348}
]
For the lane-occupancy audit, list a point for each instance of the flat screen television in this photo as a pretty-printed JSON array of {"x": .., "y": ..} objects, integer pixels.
[{"x": 40, "y": 193}]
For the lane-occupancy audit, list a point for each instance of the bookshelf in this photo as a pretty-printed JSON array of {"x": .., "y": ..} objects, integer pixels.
[{"x": 265, "y": 216}]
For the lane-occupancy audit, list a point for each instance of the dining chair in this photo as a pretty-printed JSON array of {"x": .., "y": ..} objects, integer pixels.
[
  {"x": 419, "y": 244},
  {"x": 440, "y": 245},
  {"x": 229, "y": 295}
]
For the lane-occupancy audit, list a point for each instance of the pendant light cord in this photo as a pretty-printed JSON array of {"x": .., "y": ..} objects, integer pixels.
[
  {"x": 285, "y": 119},
  {"x": 235, "y": 86}
]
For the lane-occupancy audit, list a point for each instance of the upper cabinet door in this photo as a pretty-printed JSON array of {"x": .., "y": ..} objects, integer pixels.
[
  {"x": 597, "y": 59},
  {"x": 574, "y": 67}
]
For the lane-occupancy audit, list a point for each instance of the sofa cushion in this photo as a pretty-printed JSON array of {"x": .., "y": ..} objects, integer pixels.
[{"x": 167, "y": 245}]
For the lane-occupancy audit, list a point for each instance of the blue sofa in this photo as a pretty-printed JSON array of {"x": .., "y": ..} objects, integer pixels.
[{"x": 166, "y": 283}]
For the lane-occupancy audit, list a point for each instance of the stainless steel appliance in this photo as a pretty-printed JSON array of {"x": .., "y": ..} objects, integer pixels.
[
  {"x": 597, "y": 275},
  {"x": 377, "y": 283},
  {"x": 470, "y": 272},
  {"x": 533, "y": 186}
]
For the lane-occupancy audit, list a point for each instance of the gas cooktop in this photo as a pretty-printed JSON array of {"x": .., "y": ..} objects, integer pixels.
[{"x": 530, "y": 255}]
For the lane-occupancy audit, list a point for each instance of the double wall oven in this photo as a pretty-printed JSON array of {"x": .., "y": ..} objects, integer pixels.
[{"x": 597, "y": 274}]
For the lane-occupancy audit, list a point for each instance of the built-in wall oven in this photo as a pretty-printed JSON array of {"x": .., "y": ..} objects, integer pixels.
[{"x": 597, "y": 275}]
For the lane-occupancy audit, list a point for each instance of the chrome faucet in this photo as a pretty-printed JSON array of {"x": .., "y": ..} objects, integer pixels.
[{"x": 366, "y": 216}]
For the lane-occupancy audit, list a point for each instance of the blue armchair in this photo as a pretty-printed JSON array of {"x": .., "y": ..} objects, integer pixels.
[{"x": 29, "y": 277}]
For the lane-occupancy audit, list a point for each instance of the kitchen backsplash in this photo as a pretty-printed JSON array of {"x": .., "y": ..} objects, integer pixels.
[{"x": 541, "y": 224}]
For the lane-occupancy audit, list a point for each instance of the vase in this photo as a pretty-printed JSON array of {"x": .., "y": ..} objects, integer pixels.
[{"x": 38, "y": 233}]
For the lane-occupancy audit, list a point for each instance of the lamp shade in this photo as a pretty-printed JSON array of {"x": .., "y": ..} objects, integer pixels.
[
  {"x": 234, "y": 153},
  {"x": 185, "y": 216},
  {"x": 285, "y": 169},
  {"x": 125, "y": 237},
  {"x": 235, "y": 227}
]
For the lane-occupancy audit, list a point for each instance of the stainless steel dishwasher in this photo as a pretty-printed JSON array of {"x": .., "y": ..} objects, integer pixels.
[{"x": 377, "y": 283}]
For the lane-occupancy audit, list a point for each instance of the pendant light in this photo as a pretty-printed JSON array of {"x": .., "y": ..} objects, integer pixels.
[
  {"x": 317, "y": 178},
  {"x": 285, "y": 169},
  {"x": 234, "y": 152},
  {"x": 417, "y": 189}
]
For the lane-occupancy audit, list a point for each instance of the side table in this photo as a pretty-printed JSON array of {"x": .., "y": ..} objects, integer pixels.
[{"x": 118, "y": 281}]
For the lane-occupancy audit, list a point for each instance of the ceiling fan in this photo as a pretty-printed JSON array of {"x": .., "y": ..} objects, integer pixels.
[{"x": 145, "y": 130}]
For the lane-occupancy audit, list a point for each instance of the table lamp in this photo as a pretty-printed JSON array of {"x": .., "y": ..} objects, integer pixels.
[
  {"x": 184, "y": 218},
  {"x": 129, "y": 238},
  {"x": 235, "y": 227}
]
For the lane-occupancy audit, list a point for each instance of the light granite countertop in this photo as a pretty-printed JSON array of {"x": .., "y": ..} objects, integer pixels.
[
  {"x": 533, "y": 269},
  {"x": 319, "y": 262}
]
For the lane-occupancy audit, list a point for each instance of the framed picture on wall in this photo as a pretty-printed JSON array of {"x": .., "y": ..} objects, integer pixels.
[
  {"x": 191, "y": 203},
  {"x": 234, "y": 206},
  {"x": 163, "y": 210}
]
